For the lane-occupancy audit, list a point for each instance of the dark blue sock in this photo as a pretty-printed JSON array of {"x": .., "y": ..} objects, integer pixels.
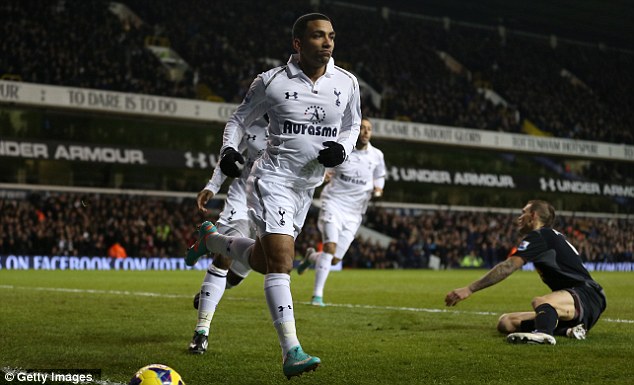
[
  {"x": 546, "y": 319},
  {"x": 527, "y": 326}
]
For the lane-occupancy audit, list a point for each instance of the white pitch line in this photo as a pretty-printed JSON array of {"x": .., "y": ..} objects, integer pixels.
[
  {"x": 95, "y": 291},
  {"x": 352, "y": 306},
  {"x": 412, "y": 309}
]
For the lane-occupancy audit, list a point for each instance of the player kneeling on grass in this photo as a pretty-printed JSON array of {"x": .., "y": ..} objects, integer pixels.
[{"x": 576, "y": 301}]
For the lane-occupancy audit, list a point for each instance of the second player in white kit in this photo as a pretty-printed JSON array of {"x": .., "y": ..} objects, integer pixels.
[
  {"x": 344, "y": 200},
  {"x": 224, "y": 273}
]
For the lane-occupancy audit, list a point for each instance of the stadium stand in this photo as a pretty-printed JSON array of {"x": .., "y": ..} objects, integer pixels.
[
  {"x": 79, "y": 44},
  {"x": 73, "y": 224},
  {"x": 86, "y": 45},
  {"x": 425, "y": 70},
  {"x": 65, "y": 224}
]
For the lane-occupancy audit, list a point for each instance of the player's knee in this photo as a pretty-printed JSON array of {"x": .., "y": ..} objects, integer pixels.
[
  {"x": 330, "y": 248},
  {"x": 505, "y": 324},
  {"x": 335, "y": 261},
  {"x": 278, "y": 267},
  {"x": 233, "y": 279},
  {"x": 221, "y": 262}
]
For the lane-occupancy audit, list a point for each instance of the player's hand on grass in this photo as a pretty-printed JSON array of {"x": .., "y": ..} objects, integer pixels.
[
  {"x": 457, "y": 295},
  {"x": 202, "y": 198}
]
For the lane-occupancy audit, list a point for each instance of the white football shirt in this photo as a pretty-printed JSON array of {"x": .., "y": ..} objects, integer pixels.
[
  {"x": 251, "y": 146},
  {"x": 352, "y": 182},
  {"x": 302, "y": 116}
]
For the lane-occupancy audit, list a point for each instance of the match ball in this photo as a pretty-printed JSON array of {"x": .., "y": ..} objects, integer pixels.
[{"x": 156, "y": 374}]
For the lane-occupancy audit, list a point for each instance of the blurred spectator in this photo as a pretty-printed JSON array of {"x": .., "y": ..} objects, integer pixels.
[
  {"x": 117, "y": 251},
  {"x": 471, "y": 260}
]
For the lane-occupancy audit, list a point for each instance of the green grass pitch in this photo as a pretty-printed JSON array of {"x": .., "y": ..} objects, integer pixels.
[{"x": 382, "y": 327}]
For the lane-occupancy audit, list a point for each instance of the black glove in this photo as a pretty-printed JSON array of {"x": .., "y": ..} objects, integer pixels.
[
  {"x": 333, "y": 155},
  {"x": 228, "y": 162}
]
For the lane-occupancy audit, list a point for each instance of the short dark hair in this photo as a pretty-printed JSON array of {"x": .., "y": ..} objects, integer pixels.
[
  {"x": 299, "y": 28},
  {"x": 545, "y": 211}
]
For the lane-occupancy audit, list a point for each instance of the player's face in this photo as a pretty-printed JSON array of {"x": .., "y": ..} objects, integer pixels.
[
  {"x": 525, "y": 220},
  {"x": 315, "y": 48},
  {"x": 365, "y": 134}
]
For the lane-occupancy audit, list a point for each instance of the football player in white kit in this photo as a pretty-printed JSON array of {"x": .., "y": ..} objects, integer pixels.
[
  {"x": 315, "y": 112},
  {"x": 343, "y": 202},
  {"x": 233, "y": 220}
]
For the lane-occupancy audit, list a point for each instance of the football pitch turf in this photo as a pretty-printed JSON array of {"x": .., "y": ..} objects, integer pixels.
[{"x": 381, "y": 327}]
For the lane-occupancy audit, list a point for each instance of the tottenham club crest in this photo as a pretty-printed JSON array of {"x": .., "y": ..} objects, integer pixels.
[
  {"x": 337, "y": 94},
  {"x": 282, "y": 212},
  {"x": 315, "y": 114}
]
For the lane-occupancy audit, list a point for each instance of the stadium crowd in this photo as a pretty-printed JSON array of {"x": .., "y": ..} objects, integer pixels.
[
  {"x": 83, "y": 44},
  {"x": 80, "y": 224},
  {"x": 79, "y": 44}
]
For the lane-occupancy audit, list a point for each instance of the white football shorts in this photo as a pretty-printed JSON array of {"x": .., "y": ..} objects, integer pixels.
[
  {"x": 277, "y": 209},
  {"x": 238, "y": 227},
  {"x": 338, "y": 226}
]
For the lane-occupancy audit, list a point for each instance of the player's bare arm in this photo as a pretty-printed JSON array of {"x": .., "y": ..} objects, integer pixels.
[{"x": 498, "y": 273}]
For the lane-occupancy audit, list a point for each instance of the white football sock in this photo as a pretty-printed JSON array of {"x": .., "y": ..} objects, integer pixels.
[
  {"x": 277, "y": 289},
  {"x": 236, "y": 248},
  {"x": 211, "y": 291},
  {"x": 322, "y": 269}
]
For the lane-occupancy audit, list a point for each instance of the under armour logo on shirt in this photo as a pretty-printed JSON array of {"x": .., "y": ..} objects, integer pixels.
[
  {"x": 289, "y": 95},
  {"x": 251, "y": 137}
]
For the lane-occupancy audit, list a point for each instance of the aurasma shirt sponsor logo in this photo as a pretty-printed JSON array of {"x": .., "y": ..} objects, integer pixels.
[
  {"x": 309, "y": 129},
  {"x": 352, "y": 180}
]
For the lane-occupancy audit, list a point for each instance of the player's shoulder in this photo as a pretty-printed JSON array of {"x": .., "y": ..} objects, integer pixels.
[
  {"x": 538, "y": 236},
  {"x": 268, "y": 76},
  {"x": 375, "y": 152},
  {"x": 546, "y": 232},
  {"x": 345, "y": 75}
]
